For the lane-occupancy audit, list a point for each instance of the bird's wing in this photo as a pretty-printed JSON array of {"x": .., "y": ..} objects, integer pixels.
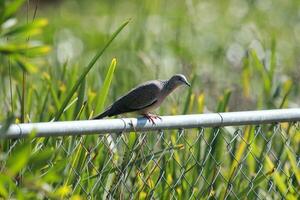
[{"x": 138, "y": 98}]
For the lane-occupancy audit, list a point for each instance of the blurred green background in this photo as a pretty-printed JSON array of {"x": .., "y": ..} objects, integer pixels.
[
  {"x": 206, "y": 39},
  {"x": 239, "y": 55}
]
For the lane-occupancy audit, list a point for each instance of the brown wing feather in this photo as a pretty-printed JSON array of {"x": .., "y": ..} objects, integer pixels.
[{"x": 138, "y": 98}]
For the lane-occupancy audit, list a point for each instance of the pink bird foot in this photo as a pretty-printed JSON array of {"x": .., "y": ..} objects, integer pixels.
[{"x": 152, "y": 117}]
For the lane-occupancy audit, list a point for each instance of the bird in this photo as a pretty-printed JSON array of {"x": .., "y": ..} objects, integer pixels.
[{"x": 145, "y": 98}]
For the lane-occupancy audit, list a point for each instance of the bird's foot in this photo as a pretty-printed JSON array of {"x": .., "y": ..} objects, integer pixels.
[{"x": 152, "y": 117}]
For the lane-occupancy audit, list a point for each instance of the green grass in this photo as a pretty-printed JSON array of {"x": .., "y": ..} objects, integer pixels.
[{"x": 57, "y": 66}]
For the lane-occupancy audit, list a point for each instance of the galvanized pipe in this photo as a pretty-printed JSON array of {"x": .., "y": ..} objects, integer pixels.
[{"x": 64, "y": 128}]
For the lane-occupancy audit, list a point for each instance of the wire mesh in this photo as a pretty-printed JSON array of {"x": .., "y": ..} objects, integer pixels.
[{"x": 242, "y": 162}]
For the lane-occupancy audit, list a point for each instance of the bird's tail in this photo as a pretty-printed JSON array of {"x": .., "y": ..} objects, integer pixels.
[{"x": 102, "y": 115}]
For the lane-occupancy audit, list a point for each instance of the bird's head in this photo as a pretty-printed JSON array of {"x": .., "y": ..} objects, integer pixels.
[{"x": 176, "y": 81}]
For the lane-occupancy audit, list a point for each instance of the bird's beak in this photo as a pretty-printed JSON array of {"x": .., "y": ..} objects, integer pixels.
[{"x": 187, "y": 83}]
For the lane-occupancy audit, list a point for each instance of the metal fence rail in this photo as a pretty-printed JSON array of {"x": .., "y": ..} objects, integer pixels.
[
  {"x": 237, "y": 155},
  {"x": 141, "y": 124}
]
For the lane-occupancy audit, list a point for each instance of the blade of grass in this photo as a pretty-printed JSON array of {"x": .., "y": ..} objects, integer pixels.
[
  {"x": 138, "y": 161},
  {"x": 293, "y": 162},
  {"x": 86, "y": 71},
  {"x": 250, "y": 160},
  {"x": 27, "y": 29},
  {"x": 44, "y": 105},
  {"x": 19, "y": 157},
  {"x": 287, "y": 88},
  {"x": 106, "y": 85},
  {"x": 256, "y": 182},
  {"x": 77, "y": 161},
  {"x": 10, "y": 85},
  {"x": 264, "y": 75},
  {"x": 80, "y": 101},
  {"x": 201, "y": 103},
  {"x": 11, "y": 8},
  {"x": 246, "y": 78},
  {"x": 277, "y": 177},
  {"x": 81, "y": 110},
  {"x": 5, "y": 125},
  {"x": 273, "y": 60},
  {"x": 215, "y": 141},
  {"x": 29, "y": 99},
  {"x": 102, "y": 97},
  {"x": 54, "y": 95},
  {"x": 242, "y": 148},
  {"x": 23, "y": 63},
  {"x": 23, "y": 97},
  {"x": 63, "y": 72}
]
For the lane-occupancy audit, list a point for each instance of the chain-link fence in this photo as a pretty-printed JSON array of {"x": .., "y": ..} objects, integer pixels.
[{"x": 230, "y": 162}]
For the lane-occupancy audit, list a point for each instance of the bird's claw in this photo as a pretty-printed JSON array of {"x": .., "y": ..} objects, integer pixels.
[{"x": 151, "y": 118}]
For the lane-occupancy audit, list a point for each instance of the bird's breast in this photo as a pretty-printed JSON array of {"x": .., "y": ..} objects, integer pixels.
[{"x": 152, "y": 107}]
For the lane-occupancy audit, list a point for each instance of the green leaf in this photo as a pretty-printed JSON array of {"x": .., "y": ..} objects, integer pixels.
[
  {"x": 24, "y": 64},
  {"x": 44, "y": 105},
  {"x": 54, "y": 95},
  {"x": 132, "y": 138},
  {"x": 36, "y": 51},
  {"x": 77, "y": 161},
  {"x": 106, "y": 85},
  {"x": 19, "y": 157},
  {"x": 3, "y": 190},
  {"x": 12, "y": 8},
  {"x": 80, "y": 101},
  {"x": 29, "y": 50},
  {"x": 264, "y": 74},
  {"x": 273, "y": 60},
  {"x": 256, "y": 182},
  {"x": 6, "y": 183},
  {"x": 34, "y": 27},
  {"x": 143, "y": 158},
  {"x": 40, "y": 159},
  {"x": 2, "y": 6},
  {"x": 256, "y": 62},
  {"x": 5, "y": 125},
  {"x": 293, "y": 162},
  {"x": 216, "y": 140},
  {"x": 278, "y": 178},
  {"x": 86, "y": 71},
  {"x": 241, "y": 149},
  {"x": 223, "y": 103},
  {"x": 246, "y": 77},
  {"x": 53, "y": 174},
  {"x": 12, "y": 48},
  {"x": 287, "y": 88},
  {"x": 201, "y": 102}
]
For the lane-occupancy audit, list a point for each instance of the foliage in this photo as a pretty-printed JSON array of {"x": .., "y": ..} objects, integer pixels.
[{"x": 220, "y": 46}]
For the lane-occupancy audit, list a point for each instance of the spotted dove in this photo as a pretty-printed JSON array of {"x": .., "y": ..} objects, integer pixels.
[{"x": 145, "y": 97}]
